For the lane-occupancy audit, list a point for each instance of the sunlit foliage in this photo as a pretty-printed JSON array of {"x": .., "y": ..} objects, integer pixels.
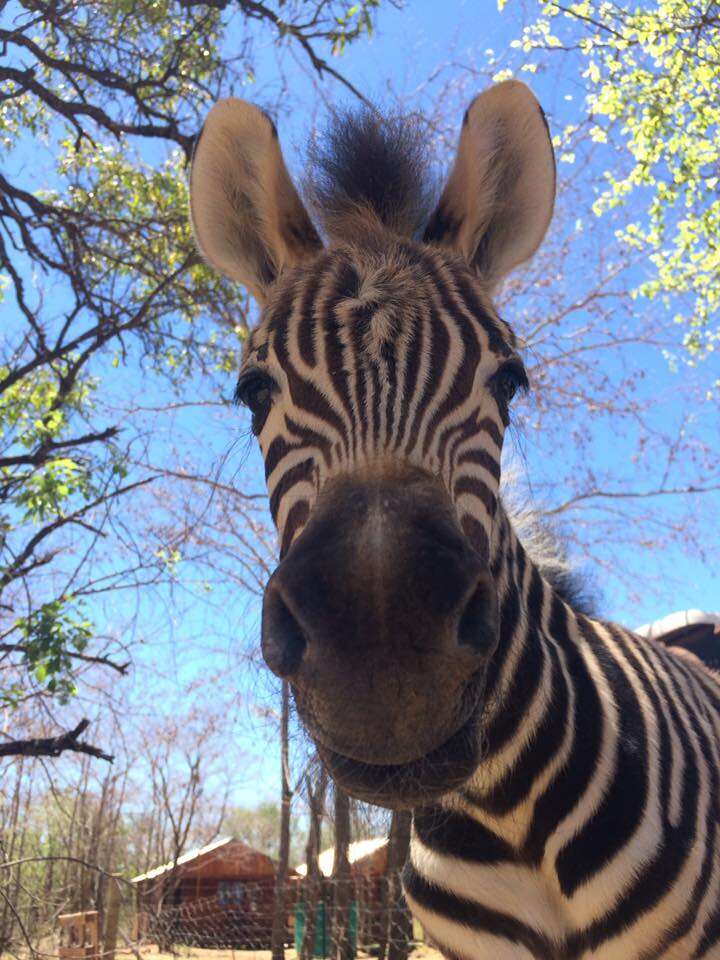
[{"x": 653, "y": 73}]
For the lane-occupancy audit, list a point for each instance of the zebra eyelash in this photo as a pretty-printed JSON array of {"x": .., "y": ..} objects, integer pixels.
[
  {"x": 513, "y": 373},
  {"x": 249, "y": 381},
  {"x": 254, "y": 390}
]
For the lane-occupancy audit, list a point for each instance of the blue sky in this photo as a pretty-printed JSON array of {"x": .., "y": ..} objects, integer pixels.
[{"x": 207, "y": 638}]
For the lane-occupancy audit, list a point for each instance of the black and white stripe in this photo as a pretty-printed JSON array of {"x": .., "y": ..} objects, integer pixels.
[
  {"x": 589, "y": 828},
  {"x": 359, "y": 385}
]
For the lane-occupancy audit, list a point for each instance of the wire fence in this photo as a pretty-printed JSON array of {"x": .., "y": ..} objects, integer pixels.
[{"x": 361, "y": 917}]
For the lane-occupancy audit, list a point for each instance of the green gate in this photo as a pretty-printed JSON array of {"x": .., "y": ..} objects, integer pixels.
[{"x": 321, "y": 947}]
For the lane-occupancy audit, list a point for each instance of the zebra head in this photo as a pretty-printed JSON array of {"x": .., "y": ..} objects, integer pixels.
[{"x": 379, "y": 380}]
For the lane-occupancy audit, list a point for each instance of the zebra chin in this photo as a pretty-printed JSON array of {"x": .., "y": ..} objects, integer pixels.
[
  {"x": 408, "y": 786},
  {"x": 383, "y": 617}
]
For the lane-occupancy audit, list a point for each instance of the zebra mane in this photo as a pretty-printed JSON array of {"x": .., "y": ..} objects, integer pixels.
[
  {"x": 366, "y": 166},
  {"x": 547, "y": 548}
]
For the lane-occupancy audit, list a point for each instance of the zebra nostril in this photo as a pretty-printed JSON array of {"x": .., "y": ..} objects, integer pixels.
[
  {"x": 477, "y": 626},
  {"x": 283, "y": 640}
]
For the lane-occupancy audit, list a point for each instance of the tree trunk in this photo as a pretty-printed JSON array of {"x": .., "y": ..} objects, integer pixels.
[
  {"x": 399, "y": 922},
  {"x": 10, "y": 838},
  {"x": 279, "y": 925},
  {"x": 313, "y": 886},
  {"x": 342, "y": 947},
  {"x": 112, "y": 918}
]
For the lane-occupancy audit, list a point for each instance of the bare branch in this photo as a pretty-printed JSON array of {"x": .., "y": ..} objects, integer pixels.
[
  {"x": 54, "y": 746},
  {"x": 627, "y": 495}
]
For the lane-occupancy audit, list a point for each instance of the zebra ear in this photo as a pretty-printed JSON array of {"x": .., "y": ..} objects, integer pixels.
[
  {"x": 247, "y": 217},
  {"x": 498, "y": 201}
]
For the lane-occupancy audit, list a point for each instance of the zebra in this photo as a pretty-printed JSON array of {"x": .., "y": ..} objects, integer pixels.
[{"x": 562, "y": 771}]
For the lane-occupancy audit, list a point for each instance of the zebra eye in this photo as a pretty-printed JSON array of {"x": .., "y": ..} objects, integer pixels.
[
  {"x": 508, "y": 380},
  {"x": 254, "y": 391}
]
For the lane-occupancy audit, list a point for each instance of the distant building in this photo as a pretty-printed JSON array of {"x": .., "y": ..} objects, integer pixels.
[
  {"x": 368, "y": 858},
  {"x": 219, "y": 895},
  {"x": 693, "y": 630}
]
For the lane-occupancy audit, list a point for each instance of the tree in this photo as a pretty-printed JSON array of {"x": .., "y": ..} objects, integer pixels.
[
  {"x": 60, "y": 852},
  {"x": 100, "y": 106},
  {"x": 69, "y": 829},
  {"x": 399, "y": 922},
  {"x": 280, "y": 909},
  {"x": 341, "y": 947},
  {"x": 258, "y": 828},
  {"x": 652, "y": 74},
  {"x": 312, "y": 892}
]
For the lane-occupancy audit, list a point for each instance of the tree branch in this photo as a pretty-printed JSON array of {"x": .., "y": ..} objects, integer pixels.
[
  {"x": 45, "y": 451},
  {"x": 54, "y": 746},
  {"x": 628, "y": 495},
  {"x": 121, "y": 668}
]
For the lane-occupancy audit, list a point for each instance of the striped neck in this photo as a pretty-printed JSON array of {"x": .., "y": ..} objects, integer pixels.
[{"x": 525, "y": 701}]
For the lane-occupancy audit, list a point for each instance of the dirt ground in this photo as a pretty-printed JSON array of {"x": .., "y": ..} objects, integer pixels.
[{"x": 420, "y": 952}]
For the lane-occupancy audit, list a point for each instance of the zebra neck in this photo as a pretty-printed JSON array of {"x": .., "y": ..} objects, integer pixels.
[
  {"x": 525, "y": 601},
  {"x": 525, "y": 705}
]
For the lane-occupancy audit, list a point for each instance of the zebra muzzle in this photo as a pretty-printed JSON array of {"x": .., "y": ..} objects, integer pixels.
[{"x": 383, "y": 618}]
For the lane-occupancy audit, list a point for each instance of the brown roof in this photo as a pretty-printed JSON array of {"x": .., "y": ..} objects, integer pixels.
[{"x": 225, "y": 858}]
